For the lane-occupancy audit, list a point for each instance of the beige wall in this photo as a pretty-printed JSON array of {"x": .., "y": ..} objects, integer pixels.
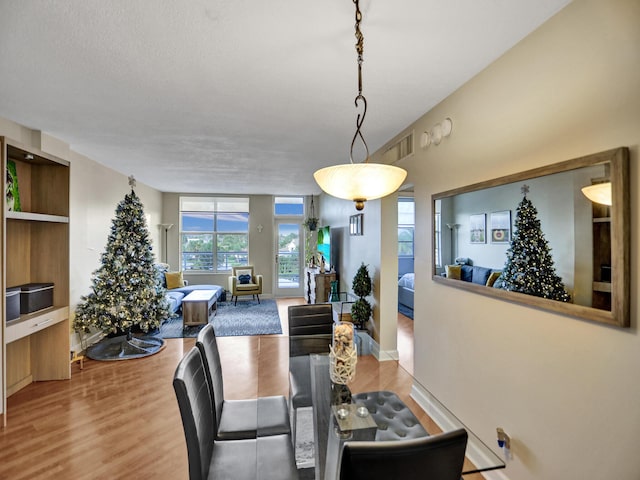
[{"x": 566, "y": 390}]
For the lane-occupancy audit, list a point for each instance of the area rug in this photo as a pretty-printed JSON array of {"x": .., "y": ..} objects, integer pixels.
[
  {"x": 406, "y": 311},
  {"x": 246, "y": 318},
  {"x": 304, "y": 439}
]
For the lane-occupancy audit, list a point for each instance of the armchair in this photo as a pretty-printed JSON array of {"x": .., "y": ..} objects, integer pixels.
[{"x": 243, "y": 281}]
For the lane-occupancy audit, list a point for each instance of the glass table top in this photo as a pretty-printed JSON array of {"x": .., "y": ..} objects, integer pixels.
[{"x": 389, "y": 381}]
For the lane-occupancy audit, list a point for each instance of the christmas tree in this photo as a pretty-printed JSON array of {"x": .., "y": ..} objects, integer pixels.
[
  {"x": 126, "y": 295},
  {"x": 529, "y": 268}
]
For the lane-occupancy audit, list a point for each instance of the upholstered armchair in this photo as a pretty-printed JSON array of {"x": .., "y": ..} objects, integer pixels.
[{"x": 243, "y": 281}]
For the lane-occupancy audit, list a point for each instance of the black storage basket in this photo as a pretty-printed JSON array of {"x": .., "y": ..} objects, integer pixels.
[{"x": 35, "y": 296}]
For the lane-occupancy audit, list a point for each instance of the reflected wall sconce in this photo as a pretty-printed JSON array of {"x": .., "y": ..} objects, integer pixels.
[{"x": 437, "y": 133}]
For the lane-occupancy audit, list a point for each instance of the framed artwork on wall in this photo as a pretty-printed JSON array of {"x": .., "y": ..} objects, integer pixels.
[
  {"x": 478, "y": 228},
  {"x": 501, "y": 226},
  {"x": 355, "y": 224}
]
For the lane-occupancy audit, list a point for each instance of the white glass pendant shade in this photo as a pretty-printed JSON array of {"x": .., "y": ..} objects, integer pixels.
[
  {"x": 360, "y": 181},
  {"x": 598, "y": 193}
]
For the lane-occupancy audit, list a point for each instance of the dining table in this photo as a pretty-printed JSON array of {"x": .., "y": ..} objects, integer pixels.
[{"x": 384, "y": 402}]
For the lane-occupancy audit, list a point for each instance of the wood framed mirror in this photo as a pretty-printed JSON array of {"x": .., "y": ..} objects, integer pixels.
[{"x": 476, "y": 229}]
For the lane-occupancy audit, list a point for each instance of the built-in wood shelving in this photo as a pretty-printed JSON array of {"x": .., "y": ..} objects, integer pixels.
[{"x": 35, "y": 249}]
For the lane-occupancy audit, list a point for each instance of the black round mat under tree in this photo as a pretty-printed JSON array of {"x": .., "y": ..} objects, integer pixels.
[{"x": 125, "y": 347}]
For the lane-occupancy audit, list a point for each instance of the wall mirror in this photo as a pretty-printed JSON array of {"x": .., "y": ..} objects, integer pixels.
[{"x": 479, "y": 247}]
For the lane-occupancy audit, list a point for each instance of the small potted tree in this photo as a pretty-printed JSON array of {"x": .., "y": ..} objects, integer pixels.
[{"x": 361, "y": 308}]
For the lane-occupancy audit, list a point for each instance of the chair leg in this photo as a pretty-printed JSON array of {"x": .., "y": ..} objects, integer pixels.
[
  {"x": 236, "y": 302},
  {"x": 294, "y": 424},
  {"x": 258, "y": 299}
]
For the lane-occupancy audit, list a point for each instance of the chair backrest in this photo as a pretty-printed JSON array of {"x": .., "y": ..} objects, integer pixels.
[
  {"x": 436, "y": 457},
  {"x": 208, "y": 346},
  {"x": 310, "y": 328},
  {"x": 190, "y": 385},
  {"x": 242, "y": 267}
]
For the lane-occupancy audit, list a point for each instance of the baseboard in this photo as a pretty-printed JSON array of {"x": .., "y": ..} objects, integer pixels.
[
  {"x": 368, "y": 346},
  {"x": 78, "y": 346},
  {"x": 447, "y": 421},
  {"x": 388, "y": 355},
  {"x": 495, "y": 475}
]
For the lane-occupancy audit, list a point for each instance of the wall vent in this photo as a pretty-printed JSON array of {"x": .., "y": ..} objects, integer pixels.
[{"x": 400, "y": 150}]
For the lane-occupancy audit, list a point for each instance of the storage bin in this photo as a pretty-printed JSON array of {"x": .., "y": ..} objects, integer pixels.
[
  {"x": 35, "y": 296},
  {"x": 13, "y": 303}
]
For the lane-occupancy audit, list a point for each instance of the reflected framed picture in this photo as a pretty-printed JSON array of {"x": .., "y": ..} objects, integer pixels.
[
  {"x": 478, "y": 228},
  {"x": 355, "y": 224},
  {"x": 500, "y": 227}
]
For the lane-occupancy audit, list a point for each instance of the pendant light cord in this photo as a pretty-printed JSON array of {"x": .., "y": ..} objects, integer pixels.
[{"x": 359, "y": 97}]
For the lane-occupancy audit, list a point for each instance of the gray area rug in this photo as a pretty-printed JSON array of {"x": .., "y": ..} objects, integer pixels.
[
  {"x": 246, "y": 318},
  {"x": 119, "y": 348},
  {"x": 304, "y": 439}
]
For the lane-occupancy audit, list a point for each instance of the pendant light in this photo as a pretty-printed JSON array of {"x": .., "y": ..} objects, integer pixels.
[
  {"x": 598, "y": 193},
  {"x": 360, "y": 181}
]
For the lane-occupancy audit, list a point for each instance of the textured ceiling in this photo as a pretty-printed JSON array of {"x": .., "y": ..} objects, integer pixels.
[{"x": 239, "y": 96}]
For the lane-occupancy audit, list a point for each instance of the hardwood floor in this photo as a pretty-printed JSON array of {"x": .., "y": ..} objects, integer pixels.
[
  {"x": 117, "y": 420},
  {"x": 112, "y": 420}
]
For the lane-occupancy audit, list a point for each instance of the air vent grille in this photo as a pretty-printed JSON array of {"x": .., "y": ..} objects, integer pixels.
[{"x": 400, "y": 150}]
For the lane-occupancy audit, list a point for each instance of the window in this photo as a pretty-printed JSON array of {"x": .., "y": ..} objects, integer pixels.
[
  {"x": 406, "y": 226},
  {"x": 214, "y": 233},
  {"x": 288, "y": 206}
]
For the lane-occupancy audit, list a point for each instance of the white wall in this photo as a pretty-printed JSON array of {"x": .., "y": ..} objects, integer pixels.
[
  {"x": 353, "y": 250},
  {"x": 95, "y": 192},
  {"x": 566, "y": 390},
  {"x": 380, "y": 227}
]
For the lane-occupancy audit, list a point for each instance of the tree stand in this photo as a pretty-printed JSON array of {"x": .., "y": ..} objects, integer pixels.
[{"x": 125, "y": 347}]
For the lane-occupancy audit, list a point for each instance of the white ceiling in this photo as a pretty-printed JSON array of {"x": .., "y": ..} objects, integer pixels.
[{"x": 240, "y": 96}]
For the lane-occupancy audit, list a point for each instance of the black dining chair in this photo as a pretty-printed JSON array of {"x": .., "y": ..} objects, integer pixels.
[
  {"x": 237, "y": 419},
  {"x": 310, "y": 331},
  {"x": 267, "y": 458},
  {"x": 438, "y": 457}
]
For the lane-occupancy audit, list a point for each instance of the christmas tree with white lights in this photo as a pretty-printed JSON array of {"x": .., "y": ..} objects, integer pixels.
[
  {"x": 126, "y": 294},
  {"x": 529, "y": 268}
]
